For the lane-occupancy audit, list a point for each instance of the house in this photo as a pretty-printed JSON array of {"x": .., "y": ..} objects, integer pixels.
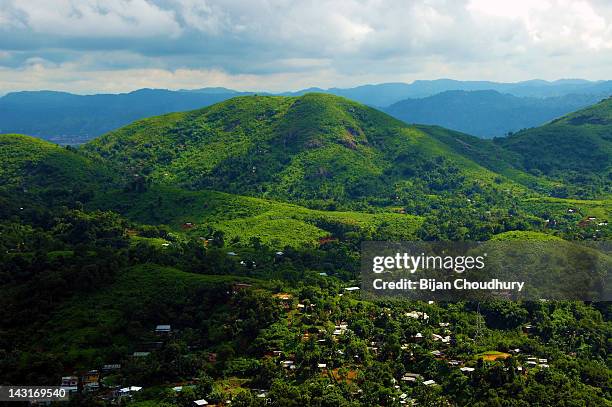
[
  {"x": 91, "y": 380},
  {"x": 200, "y": 402},
  {"x": 285, "y": 299},
  {"x": 443, "y": 339},
  {"x": 178, "y": 389},
  {"x": 140, "y": 354},
  {"x": 163, "y": 329},
  {"x": 212, "y": 357},
  {"x": 232, "y": 254},
  {"x": 429, "y": 382},
  {"x": 187, "y": 225},
  {"x": 111, "y": 367},
  {"x": 70, "y": 384},
  {"x": 411, "y": 377},
  {"x": 321, "y": 365},
  {"x": 351, "y": 288},
  {"x": 288, "y": 364},
  {"x": 527, "y": 328},
  {"x": 126, "y": 391},
  {"x": 417, "y": 315},
  {"x": 466, "y": 369}
]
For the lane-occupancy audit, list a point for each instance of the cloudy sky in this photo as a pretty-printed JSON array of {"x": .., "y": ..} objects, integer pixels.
[{"x": 88, "y": 46}]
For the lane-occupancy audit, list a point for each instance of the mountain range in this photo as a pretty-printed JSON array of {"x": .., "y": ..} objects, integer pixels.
[
  {"x": 324, "y": 151},
  {"x": 484, "y": 109},
  {"x": 486, "y": 113}
]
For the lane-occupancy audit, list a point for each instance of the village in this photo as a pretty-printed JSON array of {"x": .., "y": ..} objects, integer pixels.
[{"x": 335, "y": 343}]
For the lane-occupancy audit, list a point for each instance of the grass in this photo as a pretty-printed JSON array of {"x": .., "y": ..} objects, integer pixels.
[{"x": 246, "y": 217}]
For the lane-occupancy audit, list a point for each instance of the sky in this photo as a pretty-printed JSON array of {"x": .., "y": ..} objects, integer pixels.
[{"x": 91, "y": 46}]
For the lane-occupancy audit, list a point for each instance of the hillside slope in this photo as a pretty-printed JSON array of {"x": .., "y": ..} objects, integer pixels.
[
  {"x": 38, "y": 171},
  {"x": 308, "y": 149},
  {"x": 576, "y": 148}
]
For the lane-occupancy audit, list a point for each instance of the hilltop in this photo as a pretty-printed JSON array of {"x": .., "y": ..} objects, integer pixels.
[{"x": 315, "y": 149}]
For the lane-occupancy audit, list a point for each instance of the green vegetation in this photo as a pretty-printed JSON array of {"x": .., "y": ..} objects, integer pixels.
[
  {"x": 240, "y": 226},
  {"x": 245, "y": 218},
  {"x": 316, "y": 150},
  {"x": 575, "y": 149}
]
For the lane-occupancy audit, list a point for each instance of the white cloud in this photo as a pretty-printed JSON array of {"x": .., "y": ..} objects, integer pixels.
[
  {"x": 283, "y": 44},
  {"x": 97, "y": 18}
]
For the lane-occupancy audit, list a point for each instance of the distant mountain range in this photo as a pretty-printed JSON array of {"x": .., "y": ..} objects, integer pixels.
[
  {"x": 487, "y": 113},
  {"x": 484, "y": 109}
]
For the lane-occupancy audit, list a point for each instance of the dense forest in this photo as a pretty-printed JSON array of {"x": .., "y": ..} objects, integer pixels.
[{"x": 211, "y": 254}]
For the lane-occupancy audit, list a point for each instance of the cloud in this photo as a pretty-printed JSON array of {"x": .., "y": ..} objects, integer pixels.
[
  {"x": 94, "y": 18},
  {"x": 283, "y": 44}
]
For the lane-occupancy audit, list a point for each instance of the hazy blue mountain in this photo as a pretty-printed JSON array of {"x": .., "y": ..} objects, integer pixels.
[
  {"x": 72, "y": 119},
  {"x": 385, "y": 94},
  {"x": 487, "y": 113},
  {"x": 66, "y": 118}
]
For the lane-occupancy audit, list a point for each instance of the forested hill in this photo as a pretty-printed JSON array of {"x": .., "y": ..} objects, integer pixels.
[
  {"x": 308, "y": 149},
  {"x": 38, "y": 171},
  {"x": 576, "y": 148}
]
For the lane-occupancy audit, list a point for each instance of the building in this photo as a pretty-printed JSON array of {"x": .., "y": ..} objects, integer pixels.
[
  {"x": 411, "y": 377},
  {"x": 200, "y": 402},
  {"x": 163, "y": 329},
  {"x": 91, "y": 380},
  {"x": 128, "y": 391},
  {"x": 70, "y": 384},
  {"x": 111, "y": 367}
]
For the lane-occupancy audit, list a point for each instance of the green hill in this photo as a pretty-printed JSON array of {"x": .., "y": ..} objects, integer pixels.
[
  {"x": 36, "y": 170},
  {"x": 317, "y": 150},
  {"x": 576, "y": 149}
]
